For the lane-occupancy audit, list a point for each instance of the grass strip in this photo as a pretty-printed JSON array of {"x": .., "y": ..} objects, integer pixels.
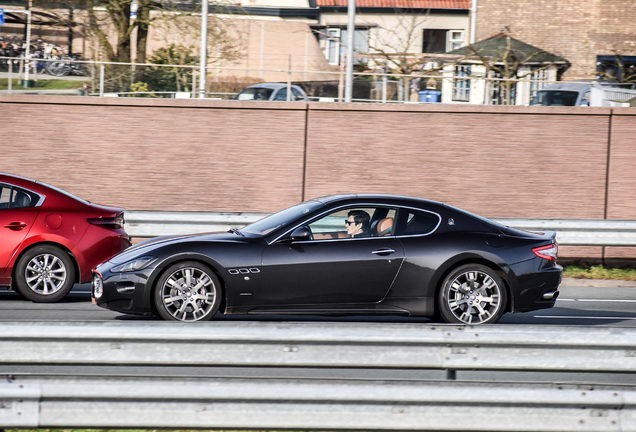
[
  {"x": 43, "y": 84},
  {"x": 599, "y": 272}
]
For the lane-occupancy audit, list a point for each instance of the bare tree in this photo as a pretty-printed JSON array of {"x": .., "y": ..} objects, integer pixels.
[{"x": 399, "y": 48}]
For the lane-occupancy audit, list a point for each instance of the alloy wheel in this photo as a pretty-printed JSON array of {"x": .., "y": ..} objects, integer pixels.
[
  {"x": 45, "y": 274},
  {"x": 474, "y": 297},
  {"x": 189, "y": 294}
]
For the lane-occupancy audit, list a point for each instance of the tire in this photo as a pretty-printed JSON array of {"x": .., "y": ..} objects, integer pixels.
[
  {"x": 472, "y": 294},
  {"x": 188, "y": 291},
  {"x": 44, "y": 274},
  {"x": 58, "y": 69}
]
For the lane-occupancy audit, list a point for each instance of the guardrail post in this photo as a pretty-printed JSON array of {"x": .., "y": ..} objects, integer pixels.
[{"x": 451, "y": 374}]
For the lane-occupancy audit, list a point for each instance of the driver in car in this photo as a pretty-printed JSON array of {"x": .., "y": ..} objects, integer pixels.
[{"x": 357, "y": 224}]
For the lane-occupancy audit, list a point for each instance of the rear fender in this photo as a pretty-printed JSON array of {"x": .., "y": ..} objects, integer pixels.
[{"x": 489, "y": 260}]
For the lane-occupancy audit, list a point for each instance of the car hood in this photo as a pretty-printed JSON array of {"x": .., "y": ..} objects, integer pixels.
[{"x": 147, "y": 246}]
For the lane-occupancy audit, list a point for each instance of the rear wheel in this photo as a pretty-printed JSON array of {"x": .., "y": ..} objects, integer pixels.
[
  {"x": 44, "y": 274},
  {"x": 472, "y": 294},
  {"x": 188, "y": 291}
]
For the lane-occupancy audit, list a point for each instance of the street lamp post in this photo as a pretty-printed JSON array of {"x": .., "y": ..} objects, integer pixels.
[
  {"x": 203, "y": 64},
  {"x": 351, "y": 29}
]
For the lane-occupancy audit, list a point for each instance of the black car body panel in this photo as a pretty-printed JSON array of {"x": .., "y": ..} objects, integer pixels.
[{"x": 398, "y": 273}]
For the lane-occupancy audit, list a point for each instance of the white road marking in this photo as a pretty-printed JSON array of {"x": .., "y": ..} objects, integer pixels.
[
  {"x": 584, "y": 317},
  {"x": 598, "y": 300}
]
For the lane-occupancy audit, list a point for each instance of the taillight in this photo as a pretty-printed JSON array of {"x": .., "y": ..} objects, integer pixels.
[
  {"x": 114, "y": 222},
  {"x": 548, "y": 252}
]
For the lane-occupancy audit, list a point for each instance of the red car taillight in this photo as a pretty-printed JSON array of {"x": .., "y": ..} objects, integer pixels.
[
  {"x": 548, "y": 252},
  {"x": 114, "y": 222}
]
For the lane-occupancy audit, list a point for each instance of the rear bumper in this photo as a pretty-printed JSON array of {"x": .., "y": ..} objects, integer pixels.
[{"x": 537, "y": 285}]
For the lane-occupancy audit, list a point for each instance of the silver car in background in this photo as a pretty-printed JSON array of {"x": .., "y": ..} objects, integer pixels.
[{"x": 271, "y": 92}]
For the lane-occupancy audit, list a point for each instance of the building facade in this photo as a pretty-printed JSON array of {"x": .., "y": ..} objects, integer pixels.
[{"x": 586, "y": 32}]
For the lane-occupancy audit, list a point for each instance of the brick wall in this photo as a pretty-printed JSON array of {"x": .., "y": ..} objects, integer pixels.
[
  {"x": 143, "y": 154},
  {"x": 575, "y": 29},
  {"x": 528, "y": 162}
]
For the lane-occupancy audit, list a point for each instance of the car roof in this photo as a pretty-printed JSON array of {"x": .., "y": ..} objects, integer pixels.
[
  {"x": 567, "y": 87},
  {"x": 576, "y": 86},
  {"x": 270, "y": 85},
  {"x": 379, "y": 198}
]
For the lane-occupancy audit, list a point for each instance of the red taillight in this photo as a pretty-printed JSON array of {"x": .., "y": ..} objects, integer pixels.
[
  {"x": 548, "y": 252},
  {"x": 113, "y": 222}
]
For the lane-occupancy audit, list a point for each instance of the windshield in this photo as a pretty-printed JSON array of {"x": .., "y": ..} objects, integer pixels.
[
  {"x": 555, "y": 98},
  {"x": 255, "y": 93},
  {"x": 282, "y": 218}
]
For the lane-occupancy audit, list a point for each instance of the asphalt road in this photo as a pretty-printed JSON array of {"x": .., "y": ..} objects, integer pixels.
[
  {"x": 606, "y": 305},
  {"x": 584, "y": 303}
]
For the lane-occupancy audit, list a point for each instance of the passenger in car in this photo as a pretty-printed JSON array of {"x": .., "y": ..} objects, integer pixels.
[{"x": 357, "y": 224}]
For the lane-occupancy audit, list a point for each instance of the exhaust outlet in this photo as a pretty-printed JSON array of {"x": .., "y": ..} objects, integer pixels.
[{"x": 552, "y": 295}]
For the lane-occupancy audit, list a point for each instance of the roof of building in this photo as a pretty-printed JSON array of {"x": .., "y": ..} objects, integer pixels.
[
  {"x": 415, "y": 4},
  {"x": 496, "y": 46}
]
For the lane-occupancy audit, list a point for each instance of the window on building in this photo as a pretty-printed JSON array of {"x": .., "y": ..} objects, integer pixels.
[
  {"x": 538, "y": 80},
  {"x": 333, "y": 46},
  {"x": 455, "y": 39},
  {"x": 436, "y": 41},
  {"x": 461, "y": 86},
  {"x": 616, "y": 69},
  {"x": 333, "y": 41},
  {"x": 498, "y": 91}
]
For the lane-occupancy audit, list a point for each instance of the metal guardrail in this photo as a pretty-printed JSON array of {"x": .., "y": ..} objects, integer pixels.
[
  {"x": 570, "y": 232},
  {"x": 301, "y": 404}
]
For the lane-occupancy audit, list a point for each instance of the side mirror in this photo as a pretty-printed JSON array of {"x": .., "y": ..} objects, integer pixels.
[{"x": 301, "y": 234}]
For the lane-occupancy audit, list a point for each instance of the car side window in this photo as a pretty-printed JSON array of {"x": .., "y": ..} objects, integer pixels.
[
  {"x": 341, "y": 224},
  {"x": 418, "y": 222},
  {"x": 5, "y": 196},
  {"x": 281, "y": 94},
  {"x": 297, "y": 94},
  {"x": 15, "y": 197}
]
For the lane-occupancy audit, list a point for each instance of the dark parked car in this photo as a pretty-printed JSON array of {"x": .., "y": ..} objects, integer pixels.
[
  {"x": 407, "y": 256},
  {"x": 271, "y": 92},
  {"x": 51, "y": 239}
]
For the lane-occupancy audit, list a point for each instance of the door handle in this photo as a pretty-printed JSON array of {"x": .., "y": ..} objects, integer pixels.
[
  {"x": 383, "y": 251},
  {"x": 16, "y": 226}
]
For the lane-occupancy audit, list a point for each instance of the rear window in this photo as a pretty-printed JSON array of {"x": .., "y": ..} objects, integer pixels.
[
  {"x": 255, "y": 93},
  {"x": 555, "y": 98}
]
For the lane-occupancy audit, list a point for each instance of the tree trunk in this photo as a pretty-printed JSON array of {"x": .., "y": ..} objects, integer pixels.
[{"x": 143, "y": 22}]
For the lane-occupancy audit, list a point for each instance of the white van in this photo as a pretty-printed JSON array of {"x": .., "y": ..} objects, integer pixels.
[{"x": 583, "y": 94}]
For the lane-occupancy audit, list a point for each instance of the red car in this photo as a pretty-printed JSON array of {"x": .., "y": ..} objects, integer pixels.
[{"x": 51, "y": 239}]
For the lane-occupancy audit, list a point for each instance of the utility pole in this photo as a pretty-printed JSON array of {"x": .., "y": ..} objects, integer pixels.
[
  {"x": 203, "y": 64},
  {"x": 351, "y": 29}
]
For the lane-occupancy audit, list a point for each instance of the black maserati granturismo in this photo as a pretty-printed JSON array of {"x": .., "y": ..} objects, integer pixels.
[{"x": 340, "y": 255}]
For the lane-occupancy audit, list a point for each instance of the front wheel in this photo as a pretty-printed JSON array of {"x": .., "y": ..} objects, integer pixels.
[
  {"x": 44, "y": 274},
  {"x": 472, "y": 294},
  {"x": 58, "y": 69},
  {"x": 188, "y": 291}
]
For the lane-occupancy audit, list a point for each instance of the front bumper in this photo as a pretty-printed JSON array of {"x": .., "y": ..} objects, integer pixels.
[{"x": 122, "y": 292}]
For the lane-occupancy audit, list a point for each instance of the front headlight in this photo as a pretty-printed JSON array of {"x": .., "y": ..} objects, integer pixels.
[
  {"x": 134, "y": 265},
  {"x": 98, "y": 286}
]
